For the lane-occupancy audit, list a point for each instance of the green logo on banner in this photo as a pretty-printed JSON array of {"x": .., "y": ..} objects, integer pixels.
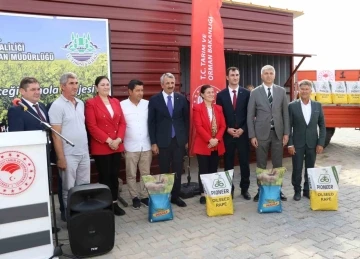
[{"x": 81, "y": 50}]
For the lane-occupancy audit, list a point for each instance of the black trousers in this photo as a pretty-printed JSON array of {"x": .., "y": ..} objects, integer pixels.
[
  {"x": 307, "y": 154},
  {"x": 207, "y": 165},
  {"x": 242, "y": 146},
  {"x": 108, "y": 167},
  {"x": 172, "y": 156}
]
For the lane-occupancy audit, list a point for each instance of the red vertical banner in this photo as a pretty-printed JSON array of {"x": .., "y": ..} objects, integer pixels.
[{"x": 207, "y": 52}]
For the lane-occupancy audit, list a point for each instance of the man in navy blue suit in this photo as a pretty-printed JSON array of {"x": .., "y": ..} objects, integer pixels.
[
  {"x": 20, "y": 120},
  {"x": 30, "y": 96},
  {"x": 168, "y": 123},
  {"x": 234, "y": 101}
]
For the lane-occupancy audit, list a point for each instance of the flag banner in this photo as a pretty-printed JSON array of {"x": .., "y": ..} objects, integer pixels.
[{"x": 207, "y": 52}]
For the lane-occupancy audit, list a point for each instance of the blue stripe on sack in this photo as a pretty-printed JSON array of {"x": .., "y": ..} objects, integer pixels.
[{"x": 16, "y": 243}]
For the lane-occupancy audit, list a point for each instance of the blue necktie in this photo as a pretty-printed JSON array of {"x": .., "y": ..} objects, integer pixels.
[{"x": 170, "y": 108}]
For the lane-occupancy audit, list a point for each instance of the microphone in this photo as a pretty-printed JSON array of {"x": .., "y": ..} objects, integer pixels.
[{"x": 17, "y": 102}]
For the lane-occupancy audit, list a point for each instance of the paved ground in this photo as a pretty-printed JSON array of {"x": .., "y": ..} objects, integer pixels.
[{"x": 297, "y": 232}]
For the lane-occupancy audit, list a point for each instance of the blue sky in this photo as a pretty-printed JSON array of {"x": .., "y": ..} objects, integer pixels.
[{"x": 50, "y": 35}]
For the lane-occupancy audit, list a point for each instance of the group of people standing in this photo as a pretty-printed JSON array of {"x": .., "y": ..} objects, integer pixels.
[
  {"x": 138, "y": 129},
  {"x": 263, "y": 115}
]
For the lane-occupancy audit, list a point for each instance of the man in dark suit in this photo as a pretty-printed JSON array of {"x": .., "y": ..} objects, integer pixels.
[
  {"x": 304, "y": 142},
  {"x": 20, "y": 120},
  {"x": 30, "y": 96},
  {"x": 234, "y": 101},
  {"x": 168, "y": 122}
]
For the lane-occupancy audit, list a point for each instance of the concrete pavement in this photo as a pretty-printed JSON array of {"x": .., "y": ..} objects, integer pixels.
[{"x": 297, "y": 232}]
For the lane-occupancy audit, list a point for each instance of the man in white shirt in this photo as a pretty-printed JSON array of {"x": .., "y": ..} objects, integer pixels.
[
  {"x": 304, "y": 142},
  {"x": 136, "y": 141}
]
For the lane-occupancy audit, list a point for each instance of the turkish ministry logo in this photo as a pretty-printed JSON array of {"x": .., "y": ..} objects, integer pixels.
[
  {"x": 81, "y": 50},
  {"x": 17, "y": 172},
  {"x": 197, "y": 97}
]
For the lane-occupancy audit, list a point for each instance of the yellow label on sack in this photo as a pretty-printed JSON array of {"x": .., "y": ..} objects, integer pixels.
[
  {"x": 323, "y": 98},
  {"x": 219, "y": 205},
  {"x": 324, "y": 200},
  {"x": 271, "y": 203},
  {"x": 339, "y": 98},
  {"x": 161, "y": 213},
  {"x": 313, "y": 96},
  {"x": 354, "y": 98}
]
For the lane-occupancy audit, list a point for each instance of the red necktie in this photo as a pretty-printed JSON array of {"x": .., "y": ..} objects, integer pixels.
[
  {"x": 234, "y": 99},
  {"x": 39, "y": 112}
]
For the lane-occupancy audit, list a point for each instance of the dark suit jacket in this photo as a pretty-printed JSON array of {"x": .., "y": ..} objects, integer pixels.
[
  {"x": 19, "y": 120},
  {"x": 237, "y": 116},
  {"x": 302, "y": 134},
  {"x": 160, "y": 121}
]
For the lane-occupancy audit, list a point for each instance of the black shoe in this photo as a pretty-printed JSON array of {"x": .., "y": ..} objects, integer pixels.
[
  {"x": 136, "y": 203},
  {"x": 246, "y": 195},
  {"x": 306, "y": 194},
  {"x": 53, "y": 230},
  {"x": 63, "y": 216},
  {"x": 297, "y": 196},
  {"x": 178, "y": 202},
  {"x": 256, "y": 198},
  {"x": 283, "y": 197},
  {"x": 118, "y": 211},
  {"x": 202, "y": 200},
  {"x": 145, "y": 202}
]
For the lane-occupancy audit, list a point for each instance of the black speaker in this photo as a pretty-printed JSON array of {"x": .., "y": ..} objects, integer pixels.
[{"x": 90, "y": 220}]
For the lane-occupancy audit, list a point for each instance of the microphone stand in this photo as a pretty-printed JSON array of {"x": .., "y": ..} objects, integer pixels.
[{"x": 57, "y": 250}]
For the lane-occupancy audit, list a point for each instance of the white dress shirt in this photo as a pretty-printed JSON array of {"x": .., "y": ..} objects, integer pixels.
[
  {"x": 232, "y": 94},
  {"x": 166, "y": 98},
  {"x": 267, "y": 91},
  {"x": 306, "y": 110},
  {"x": 136, "y": 135},
  {"x": 32, "y": 106}
]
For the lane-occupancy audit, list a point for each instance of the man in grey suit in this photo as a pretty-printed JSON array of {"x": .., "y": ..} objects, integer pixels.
[
  {"x": 304, "y": 142},
  {"x": 268, "y": 121}
]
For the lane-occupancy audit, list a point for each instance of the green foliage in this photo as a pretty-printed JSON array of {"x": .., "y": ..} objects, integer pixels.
[{"x": 48, "y": 73}]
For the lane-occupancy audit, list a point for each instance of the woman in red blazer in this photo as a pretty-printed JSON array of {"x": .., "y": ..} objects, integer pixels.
[
  {"x": 106, "y": 125},
  {"x": 208, "y": 143}
]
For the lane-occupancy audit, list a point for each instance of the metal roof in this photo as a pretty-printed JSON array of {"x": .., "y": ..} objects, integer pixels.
[{"x": 295, "y": 13}]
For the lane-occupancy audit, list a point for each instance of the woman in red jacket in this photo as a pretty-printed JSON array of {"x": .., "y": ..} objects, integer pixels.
[
  {"x": 210, "y": 125},
  {"x": 106, "y": 125}
]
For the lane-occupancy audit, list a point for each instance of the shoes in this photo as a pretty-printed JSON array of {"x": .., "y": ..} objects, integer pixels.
[
  {"x": 256, "y": 198},
  {"x": 118, "y": 211},
  {"x": 136, "y": 203},
  {"x": 283, "y": 197},
  {"x": 297, "y": 196},
  {"x": 145, "y": 202},
  {"x": 63, "y": 216},
  {"x": 178, "y": 202},
  {"x": 246, "y": 195},
  {"x": 53, "y": 230},
  {"x": 306, "y": 194},
  {"x": 202, "y": 200}
]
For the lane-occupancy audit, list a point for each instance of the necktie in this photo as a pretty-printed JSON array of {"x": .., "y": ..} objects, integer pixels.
[
  {"x": 171, "y": 109},
  {"x": 234, "y": 99},
  {"x": 39, "y": 112},
  {"x": 270, "y": 101}
]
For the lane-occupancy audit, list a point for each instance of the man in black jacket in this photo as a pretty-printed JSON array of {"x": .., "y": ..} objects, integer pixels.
[
  {"x": 168, "y": 122},
  {"x": 234, "y": 101}
]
